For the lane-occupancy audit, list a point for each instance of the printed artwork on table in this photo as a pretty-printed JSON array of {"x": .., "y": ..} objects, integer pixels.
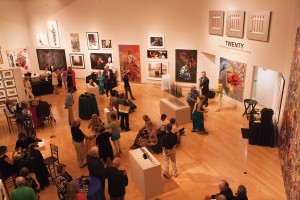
[
  {"x": 157, "y": 42},
  {"x": 106, "y": 44},
  {"x": 77, "y": 61},
  {"x": 19, "y": 58},
  {"x": 53, "y": 34},
  {"x": 52, "y": 57},
  {"x": 233, "y": 75},
  {"x": 186, "y": 65},
  {"x": 130, "y": 60},
  {"x": 99, "y": 60},
  {"x": 289, "y": 136},
  {"x": 75, "y": 42},
  {"x": 9, "y": 83},
  {"x": 42, "y": 40},
  {"x": 92, "y": 40},
  {"x": 156, "y": 70},
  {"x": 157, "y": 54},
  {"x": 1, "y": 58}
]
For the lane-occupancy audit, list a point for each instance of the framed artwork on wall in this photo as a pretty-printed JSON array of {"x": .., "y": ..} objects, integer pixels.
[
  {"x": 75, "y": 44},
  {"x": 106, "y": 44},
  {"x": 157, "y": 54},
  {"x": 19, "y": 58},
  {"x": 155, "y": 70},
  {"x": 77, "y": 61},
  {"x": 53, "y": 33},
  {"x": 258, "y": 24},
  {"x": 99, "y": 60},
  {"x": 1, "y": 85},
  {"x": 7, "y": 74},
  {"x": 186, "y": 65},
  {"x": 2, "y": 94},
  {"x": 130, "y": 60},
  {"x": 216, "y": 22},
  {"x": 42, "y": 40},
  {"x": 92, "y": 40},
  {"x": 52, "y": 57},
  {"x": 157, "y": 42},
  {"x": 11, "y": 92},
  {"x": 9, "y": 83},
  {"x": 2, "y": 103},
  {"x": 235, "y": 23}
]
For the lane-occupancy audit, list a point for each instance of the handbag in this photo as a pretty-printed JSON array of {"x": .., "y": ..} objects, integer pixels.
[{"x": 124, "y": 109}]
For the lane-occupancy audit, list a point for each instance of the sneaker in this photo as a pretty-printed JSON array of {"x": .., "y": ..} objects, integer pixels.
[{"x": 166, "y": 176}]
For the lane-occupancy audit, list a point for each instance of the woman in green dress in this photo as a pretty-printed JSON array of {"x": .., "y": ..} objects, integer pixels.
[{"x": 198, "y": 119}]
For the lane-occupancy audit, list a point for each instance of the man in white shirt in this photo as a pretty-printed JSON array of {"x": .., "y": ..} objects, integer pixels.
[{"x": 161, "y": 127}]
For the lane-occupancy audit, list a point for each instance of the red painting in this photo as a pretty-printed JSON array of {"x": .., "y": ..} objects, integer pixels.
[{"x": 130, "y": 60}]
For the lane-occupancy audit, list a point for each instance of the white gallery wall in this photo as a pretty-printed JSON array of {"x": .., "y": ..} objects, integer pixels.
[{"x": 183, "y": 23}]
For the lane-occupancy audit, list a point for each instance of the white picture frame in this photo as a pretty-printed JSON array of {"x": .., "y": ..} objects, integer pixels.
[
  {"x": 7, "y": 74},
  {"x": 156, "y": 42},
  {"x": 53, "y": 34},
  {"x": 11, "y": 92},
  {"x": 42, "y": 40},
  {"x": 2, "y": 104},
  {"x": 92, "y": 40},
  {"x": 2, "y": 94},
  {"x": 77, "y": 61},
  {"x": 156, "y": 69},
  {"x": 106, "y": 44},
  {"x": 1, "y": 84},
  {"x": 9, "y": 83}
]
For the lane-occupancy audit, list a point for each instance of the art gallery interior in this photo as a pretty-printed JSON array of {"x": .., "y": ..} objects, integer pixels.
[{"x": 184, "y": 25}]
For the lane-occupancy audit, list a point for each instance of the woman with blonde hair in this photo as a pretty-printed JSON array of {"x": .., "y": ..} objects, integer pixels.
[
  {"x": 95, "y": 122},
  {"x": 197, "y": 117},
  {"x": 28, "y": 89},
  {"x": 219, "y": 93},
  {"x": 74, "y": 193}
]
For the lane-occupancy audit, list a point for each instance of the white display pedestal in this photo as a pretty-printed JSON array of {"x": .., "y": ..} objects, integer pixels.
[
  {"x": 107, "y": 114},
  {"x": 92, "y": 89},
  {"x": 175, "y": 109},
  {"x": 145, "y": 173}
]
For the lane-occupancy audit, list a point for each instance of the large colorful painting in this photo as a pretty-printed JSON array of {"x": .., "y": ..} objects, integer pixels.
[
  {"x": 52, "y": 57},
  {"x": 186, "y": 65},
  {"x": 156, "y": 70},
  {"x": 53, "y": 34},
  {"x": 289, "y": 137},
  {"x": 99, "y": 60},
  {"x": 130, "y": 60},
  {"x": 233, "y": 75},
  {"x": 75, "y": 42},
  {"x": 19, "y": 58}
]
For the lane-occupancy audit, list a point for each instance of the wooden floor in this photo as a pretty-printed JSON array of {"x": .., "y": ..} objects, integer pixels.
[{"x": 202, "y": 160}]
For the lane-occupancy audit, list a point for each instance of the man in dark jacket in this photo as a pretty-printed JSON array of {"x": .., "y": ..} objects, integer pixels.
[
  {"x": 117, "y": 180},
  {"x": 204, "y": 87}
]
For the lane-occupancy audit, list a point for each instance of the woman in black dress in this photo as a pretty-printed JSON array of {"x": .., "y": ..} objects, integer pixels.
[
  {"x": 7, "y": 167},
  {"x": 104, "y": 146}
]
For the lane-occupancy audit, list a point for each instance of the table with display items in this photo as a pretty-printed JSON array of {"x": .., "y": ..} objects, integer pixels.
[
  {"x": 174, "y": 108},
  {"x": 107, "y": 114},
  {"x": 87, "y": 106},
  {"x": 41, "y": 87},
  {"x": 93, "y": 89}
]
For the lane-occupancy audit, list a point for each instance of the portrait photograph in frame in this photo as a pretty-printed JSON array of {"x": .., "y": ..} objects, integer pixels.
[
  {"x": 52, "y": 57},
  {"x": 157, "y": 54},
  {"x": 92, "y": 40},
  {"x": 9, "y": 83},
  {"x": 11, "y": 92},
  {"x": 2, "y": 94},
  {"x": 1, "y": 84},
  {"x": 77, "y": 61},
  {"x": 106, "y": 44},
  {"x": 156, "y": 41},
  {"x": 99, "y": 60},
  {"x": 155, "y": 70},
  {"x": 7, "y": 74}
]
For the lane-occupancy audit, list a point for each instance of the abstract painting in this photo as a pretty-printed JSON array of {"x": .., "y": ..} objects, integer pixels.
[
  {"x": 99, "y": 60},
  {"x": 77, "y": 61},
  {"x": 1, "y": 58},
  {"x": 19, "y": 58},
  {"x": 155, "y": 70},
  {"x": 106, "y": 44},
  {"x": 130, "y": 60},
  {"x": 75, "y": 42},
  {"x": 52, "y": 57},
  {"x": 53, "y": 34},
  {"x": 233, "y": 75},
  {"x": 186, "y": 65},
  {"x": 289, "y": 137},
  {"x": 157, "y": 54},
  {"x": 92, "y": 40},
  {"x": 42, "y": 40},
  {"x": 157, "y": 42}
]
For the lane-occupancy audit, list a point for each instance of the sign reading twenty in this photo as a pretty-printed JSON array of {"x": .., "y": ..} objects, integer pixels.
[{"x": 234, "y": 44}]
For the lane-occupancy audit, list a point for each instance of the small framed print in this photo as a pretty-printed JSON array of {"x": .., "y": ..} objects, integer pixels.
[
  {"x": 156, "y": 70},
  {"x": 9, "y": 83},
  {"x": 2, "y": 94},
  {"x": 2, "y": 102},
  {"x": 7, "y": 74},
  {"x": 77, "y": 61},
  {"x": 1, "y": 84},
  {"x": 157, "y": 42},
  {"x": 157, "y": 54},
  {"x": 106, "y": 44},
  {"x": 11, "y": 92},
  {"x": 92, "y": 40}
]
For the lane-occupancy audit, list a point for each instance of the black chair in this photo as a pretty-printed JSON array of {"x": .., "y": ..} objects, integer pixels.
[
  {"x": 249, "y": 105},
  {"x": 10, "y": 121},
  {"x": 52, "y": 161},
  {"x": 44, "y": 113}
]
